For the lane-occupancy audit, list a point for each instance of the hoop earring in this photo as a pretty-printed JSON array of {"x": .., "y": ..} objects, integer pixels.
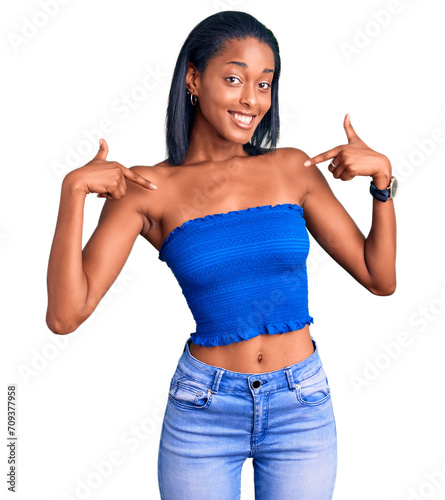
[{"x": 193, "y": 98}]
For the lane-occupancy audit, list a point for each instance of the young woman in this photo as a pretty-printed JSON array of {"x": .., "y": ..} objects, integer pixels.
[{"x": 230, "y": 213}]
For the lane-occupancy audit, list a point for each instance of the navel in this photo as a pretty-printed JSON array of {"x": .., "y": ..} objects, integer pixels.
[{"x": 260, "y": 357}]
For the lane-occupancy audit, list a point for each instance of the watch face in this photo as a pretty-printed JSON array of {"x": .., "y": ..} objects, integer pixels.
[{"x": 394, "y": 186}]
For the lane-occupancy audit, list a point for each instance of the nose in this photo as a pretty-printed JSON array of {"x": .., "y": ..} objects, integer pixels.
[{"x": 248, "y": 96}]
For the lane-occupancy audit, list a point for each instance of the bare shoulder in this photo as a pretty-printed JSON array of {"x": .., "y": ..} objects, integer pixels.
[
  {"x": 292, "y": 161},
  {"x": 318, "y": 198},
  {"x": 153, "y": 172},
  {"x": 144, "y": 169},
  {"x": 150, "y": 203},
  {"x": 289, "y": 153}
]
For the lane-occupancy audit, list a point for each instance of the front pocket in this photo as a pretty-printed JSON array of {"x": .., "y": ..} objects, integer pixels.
[
  {"x": 314, "y": 390},
  {"x": 178, "y": 375},
  {"x": 188, "y": 394}
]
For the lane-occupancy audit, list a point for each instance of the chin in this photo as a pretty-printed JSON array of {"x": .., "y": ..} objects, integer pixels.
[{"x": 242, "y": 138}]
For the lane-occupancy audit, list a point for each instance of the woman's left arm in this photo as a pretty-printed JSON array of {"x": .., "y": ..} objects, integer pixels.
[{"x": 371, "y": 260}]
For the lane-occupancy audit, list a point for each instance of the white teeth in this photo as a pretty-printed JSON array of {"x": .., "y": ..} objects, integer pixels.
[{"x": 242, "y": 118}]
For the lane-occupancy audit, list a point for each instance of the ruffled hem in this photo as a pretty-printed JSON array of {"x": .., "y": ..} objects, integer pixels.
[
  {"x": 229, "y": 338},
  {"x": 224, "y": 214}
]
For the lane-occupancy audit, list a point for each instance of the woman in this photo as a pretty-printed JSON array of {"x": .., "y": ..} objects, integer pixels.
[{"x": 230, "y": 214}]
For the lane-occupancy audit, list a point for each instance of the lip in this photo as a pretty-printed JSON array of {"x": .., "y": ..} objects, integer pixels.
[{"x": 245, "y": 126}]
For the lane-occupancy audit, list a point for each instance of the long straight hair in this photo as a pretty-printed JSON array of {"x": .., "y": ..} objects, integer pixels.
[{"x": 205, "y": 41}]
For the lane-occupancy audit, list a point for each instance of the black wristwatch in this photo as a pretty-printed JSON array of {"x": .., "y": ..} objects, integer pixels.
[{"x": 384, "y": 194}]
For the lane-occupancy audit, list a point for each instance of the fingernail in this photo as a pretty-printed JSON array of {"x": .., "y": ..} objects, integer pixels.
[
  {"x": 100, "y": 142},
  {"x": 349, "y": 119},
  {"x": 154, "y": 186},
  {"x": 307, "y": 163}
]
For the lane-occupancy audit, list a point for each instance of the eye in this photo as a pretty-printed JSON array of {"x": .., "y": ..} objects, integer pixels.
[
  {"x": 234, "y": 77},
  {"x": 265, "y": 83}
]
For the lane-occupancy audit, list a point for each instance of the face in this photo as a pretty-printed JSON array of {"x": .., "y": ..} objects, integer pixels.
[{"x": 234, "y": 92}]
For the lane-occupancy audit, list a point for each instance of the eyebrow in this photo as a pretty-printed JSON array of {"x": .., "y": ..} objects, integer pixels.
[{"x": 244, "y": 65}]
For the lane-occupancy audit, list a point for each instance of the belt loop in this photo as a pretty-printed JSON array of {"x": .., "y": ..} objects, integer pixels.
[
  {"x": 218, "y": 374},
  {"x": 187, "y": 342},
  {"x": 290, "y": 378}
]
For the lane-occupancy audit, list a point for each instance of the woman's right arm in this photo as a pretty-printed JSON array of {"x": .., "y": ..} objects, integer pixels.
[{"x": 78, "y": 279}]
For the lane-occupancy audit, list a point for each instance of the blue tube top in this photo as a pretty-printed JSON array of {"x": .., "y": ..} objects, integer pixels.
[{"x": 243, "y": 273}]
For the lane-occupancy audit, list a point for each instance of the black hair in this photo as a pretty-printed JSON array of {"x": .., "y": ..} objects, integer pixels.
[{"x": 205, "y": 41}]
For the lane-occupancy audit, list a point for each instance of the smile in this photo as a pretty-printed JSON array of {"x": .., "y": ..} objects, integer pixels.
[{"x": 244, "y": 121}]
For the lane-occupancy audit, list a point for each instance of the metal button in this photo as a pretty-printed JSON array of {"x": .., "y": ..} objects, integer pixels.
[{"x": 256, "y": 384}]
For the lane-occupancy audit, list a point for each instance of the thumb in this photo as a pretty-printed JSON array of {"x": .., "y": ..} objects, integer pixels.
[
  {"x": 349, "y": 129},
  {"x": 103, "y": 150}
]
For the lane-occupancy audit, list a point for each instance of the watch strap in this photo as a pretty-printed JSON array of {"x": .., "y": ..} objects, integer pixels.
[{"x": 380, "y": 194}]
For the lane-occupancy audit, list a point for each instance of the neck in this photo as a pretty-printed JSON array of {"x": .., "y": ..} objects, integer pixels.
[{"x": 206, "y": 145}]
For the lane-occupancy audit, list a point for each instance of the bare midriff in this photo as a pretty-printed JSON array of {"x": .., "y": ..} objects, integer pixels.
[{"x": 260, "y": 354}]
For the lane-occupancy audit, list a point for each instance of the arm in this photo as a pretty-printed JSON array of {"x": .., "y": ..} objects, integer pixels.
[
  {"x": 78, "y": 279},
  {"x": 380, "y": 245},
  {"x": 371, "y": 260}
]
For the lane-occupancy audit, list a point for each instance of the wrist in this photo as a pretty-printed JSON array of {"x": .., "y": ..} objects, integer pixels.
[
  {"x": 71, "y": 185},
  {"x": 383, "y": 178},
  {"x": 381, "y": 182}
]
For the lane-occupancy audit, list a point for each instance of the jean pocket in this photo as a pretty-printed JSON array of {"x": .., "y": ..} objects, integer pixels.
[
  {"x": 178, "y": 375},
  {"x": 313, "y": 390},
  {"x": 189, "y": 394}
]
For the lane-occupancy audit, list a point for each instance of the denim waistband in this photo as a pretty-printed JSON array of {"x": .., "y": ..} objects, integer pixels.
[{"x": 218, "y": 378}]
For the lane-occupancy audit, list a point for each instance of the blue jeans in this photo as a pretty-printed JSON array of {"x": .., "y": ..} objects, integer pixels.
[{"x": 216, "y": 418}]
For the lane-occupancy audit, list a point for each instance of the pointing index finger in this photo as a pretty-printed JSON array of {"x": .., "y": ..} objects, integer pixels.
[
  {"x": 327, "y": 155},
  {"x": 135, "y": 177}
]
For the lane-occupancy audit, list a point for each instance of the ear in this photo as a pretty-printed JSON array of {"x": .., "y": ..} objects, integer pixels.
[{"x": 192, "y": 78}]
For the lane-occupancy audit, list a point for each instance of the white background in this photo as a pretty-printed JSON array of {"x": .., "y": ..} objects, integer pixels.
[{"x": 81, "y": 396}]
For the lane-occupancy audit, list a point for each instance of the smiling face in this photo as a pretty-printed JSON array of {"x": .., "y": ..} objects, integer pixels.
[{"x": 234, "y": 91}]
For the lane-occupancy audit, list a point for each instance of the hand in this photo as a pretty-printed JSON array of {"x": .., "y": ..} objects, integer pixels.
[
  {"x": 355, "y": 158},
  {"x": 107, "y": 178}
]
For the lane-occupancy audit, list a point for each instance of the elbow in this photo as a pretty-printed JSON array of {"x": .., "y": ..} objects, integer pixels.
[
  {"x": 62, "y": 320},
  {"x": 381, "y": 290},
  {"x": 60, "y": 326}
]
